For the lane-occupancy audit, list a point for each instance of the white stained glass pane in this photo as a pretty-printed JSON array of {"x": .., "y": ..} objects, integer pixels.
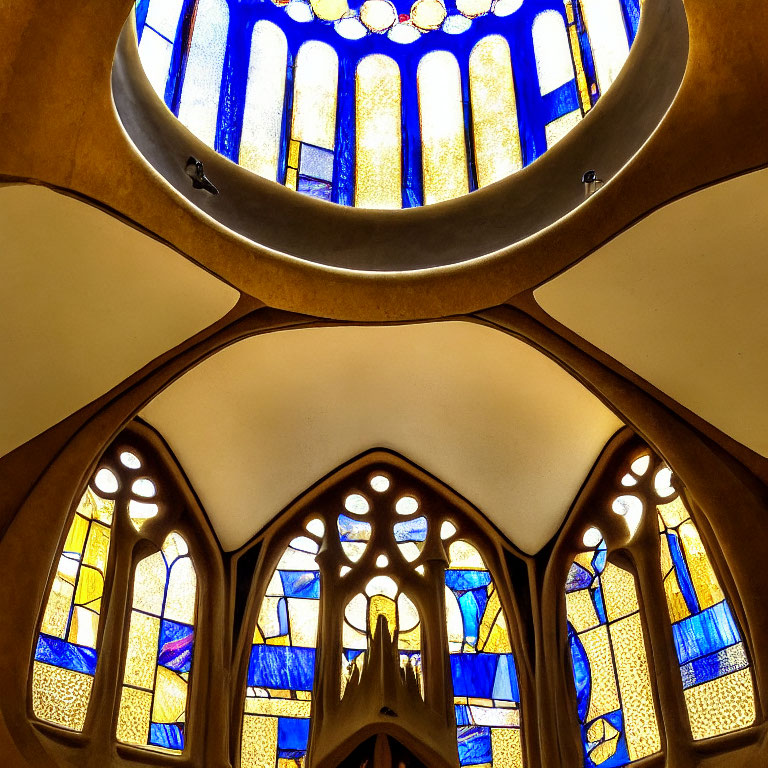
[
  {"x": 378, "y": 134},
  {"x": 315, "y": 88},
  {"x": 163, "y": 15},
  {"x": 557, "y": 129},
  {"x": 494, "y": 110},
  {"x": 155, "y": 54},
  {"x": 199, "y": 107},
  {"x": 264, "y": 100},
  {"x": 608, "y": 38},
  {"x": 444, "y": 153},
  {"x": 552, "y": 50}
]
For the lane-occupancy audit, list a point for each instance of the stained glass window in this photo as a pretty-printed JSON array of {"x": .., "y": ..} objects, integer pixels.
[
  {"x": 281, "y": 669},
  {"x": 443, "y": 149},
  {"x": 607, "y": 34},
  {"x": 494, "y": 111},
  {"x": 199, "y": 105},
  {"x": 485, "y": 686},
  {"x": 608, "y": 655},
  {"x": 160, "y": 646},
  {"x": 714, "y": 666},
  {"x": 67, "y": 646},
  {"x": 157, "y": 37},
  {"x": 379, "y": 134},
  {"x": 264, "y": 100}
]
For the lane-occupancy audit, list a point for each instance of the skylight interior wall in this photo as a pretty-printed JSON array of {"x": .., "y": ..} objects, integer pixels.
[{"x": 535, "y": 111}]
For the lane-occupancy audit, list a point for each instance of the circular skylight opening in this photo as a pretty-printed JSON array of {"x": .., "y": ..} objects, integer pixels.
[
  {"x": 406, "y": 505},
  {"x": 356, "y": 504},
  {"x": 106, "y": 481}
]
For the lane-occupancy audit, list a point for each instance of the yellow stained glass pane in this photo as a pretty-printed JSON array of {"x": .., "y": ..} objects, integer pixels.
[
  {"x": 293, "y": 153},
  {"x": 60, "y": 696},
  {"x": 97, "y": 548},
  {"x": 76, "y": 535},
  {"x": 721, "y": 705},
  {"x": 315, "y": 86},
  {"x": 443, "y": 149},
  {"x": 619, "y": 592},
  {"x": 673, "y": 513},
  {"x": 174, "y": 547},
  {"x": 57, "y": 608},
  {"x": 605, "y": 737},
  {"x": 290, "y": 178},
  {"x": 705, "y": 581},
  {"x": 264, "y": 97},
  {"x": 93, "y": 507},
  {"x": 410, "y": 641},
  {"x": 498, "y": 639},
  {"x": 464, "y": 556},
  {"x": 581, "y": 610},
  {"x": 494, "y": 111},
  {"x": 584, "y": 559},
  {"x": 489, "y": 624},
  {"x": 304, "y": 695},
  {"x": 378, "y": 134},
  {"x": 381, "y": 604},
  {"x": 84, "y": 627},
  {"x": 605, "y": 696},
  {"x": 149, "y": 584},
  {"x": 133, "y": 718},
  {"x": 181, "y": 597},
  {"x": 259, "y": 742},
  {"x": 141, "y": 655},
  {"x": 640, "y": 725},
  {"x": 557, "y": 129},
  {"x": 90, "y": 586},
  {"x": 506, "y": 747},
  {"x": 607, "y": 38},
  {"x": 678, "y": 608},
  {"x": 277, "y": 707},
  {"x": 302, "y": 616},
  {"x": 665, "y": 558},
  {"x": 170, "y": 702},
  {"x": 268, "y": 621},
  {"x": 330, "y": 10}
]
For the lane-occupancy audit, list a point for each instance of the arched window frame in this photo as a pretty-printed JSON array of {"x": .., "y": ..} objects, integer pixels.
[
  {"x": 257, "y": 560},
  {"x": 179, "y": 511}
]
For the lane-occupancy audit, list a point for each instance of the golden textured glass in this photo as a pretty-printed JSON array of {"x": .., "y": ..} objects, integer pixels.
[
  {"x": 607, "y": 38},
  {"x": 606, "y": 737},
  {"x": 93, "y": 507},
  {"x": 619, "y": 592},
  {"x": 97, "y": 549},
  {"x": 380, "y": 604},
  {"x": 76, "y": 535},
  {"x": 56, "y": 615},
  {"x": 378, "y": 137},
  {"x": 259, "y": 742},
  {"x": 705, "y": 581},
  {"x": 678, "y": 608},
  {"x": 673, "y": 513},
  {"x": 581, "y": 78},
  {"x": 315, "y": 86},
  {"x": 506, "y": 748},
  {"x": 259, "y": 705},
  {"x": 722, "y": 705},
  {"x": 330, "y": 10},
  {"x": 581, "y": 610},
  {"x": 90, "y": 586},
  {"x": 443, "y": 150},
  {"x": 170, "y": 702},
  {"x": 149, "y": 584},
  {"x": 494, "y": 111},
  {"x": 141, "y": 654},
  {"x": 84, "y": 625},
  {"x": 264, "y": 100},
  {"x": 640, "y": 724},
  {"x": 60, "y": 696},
  {"x": 303, "y": 615},
  {"x": 133, "y": 718},
  {"x": 181, "y": 596},
  {"x": 557, "y": 129},
  {"x": 605, "y": 696},
  {"x": 464, "y": 556}
]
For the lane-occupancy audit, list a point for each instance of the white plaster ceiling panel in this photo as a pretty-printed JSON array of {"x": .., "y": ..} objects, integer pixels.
[
  {"x": 86, "y": 301},
  {"x": 680, "y": 298},
  {"x": 258, "y": 423}
]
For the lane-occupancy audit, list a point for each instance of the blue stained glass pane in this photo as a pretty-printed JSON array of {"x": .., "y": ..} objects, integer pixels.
[
  {"x": 301, "y": 584},
  {"x": 711, "y": 630},
  {"x": 471, "y": 613},
  {"x": 353, "y": 530},
  {"x": 284, "y": 667},
  {"x": 683, "y": 574},
  {"x": 578, "y": 578},
  {"x": 598, "y": 602},
  {"x": 60, "y": 653},
  {"x": 168, "y": 735},
  {"x": 475, "y": 674},
  {"x": 461, "y": 581},
  {"x": 176, "y": 645},
  {"x": 411, "y": 530},
  {"x": 351, "y": 655},
  {"x": 319, "y": 189},
  {"x": 582, "y": 674},
  {"x": 620, "y": 757},
  {"x": 474, "y": 745},
  {"x": 316, "y": 162},
  {"x": 282, "y": 615},
  {"x": 714, "y": 665},
  {"x": 292, "y": 734},
  {"x": 462, "y": 715},
  {"x": 598, "y": 561}
]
